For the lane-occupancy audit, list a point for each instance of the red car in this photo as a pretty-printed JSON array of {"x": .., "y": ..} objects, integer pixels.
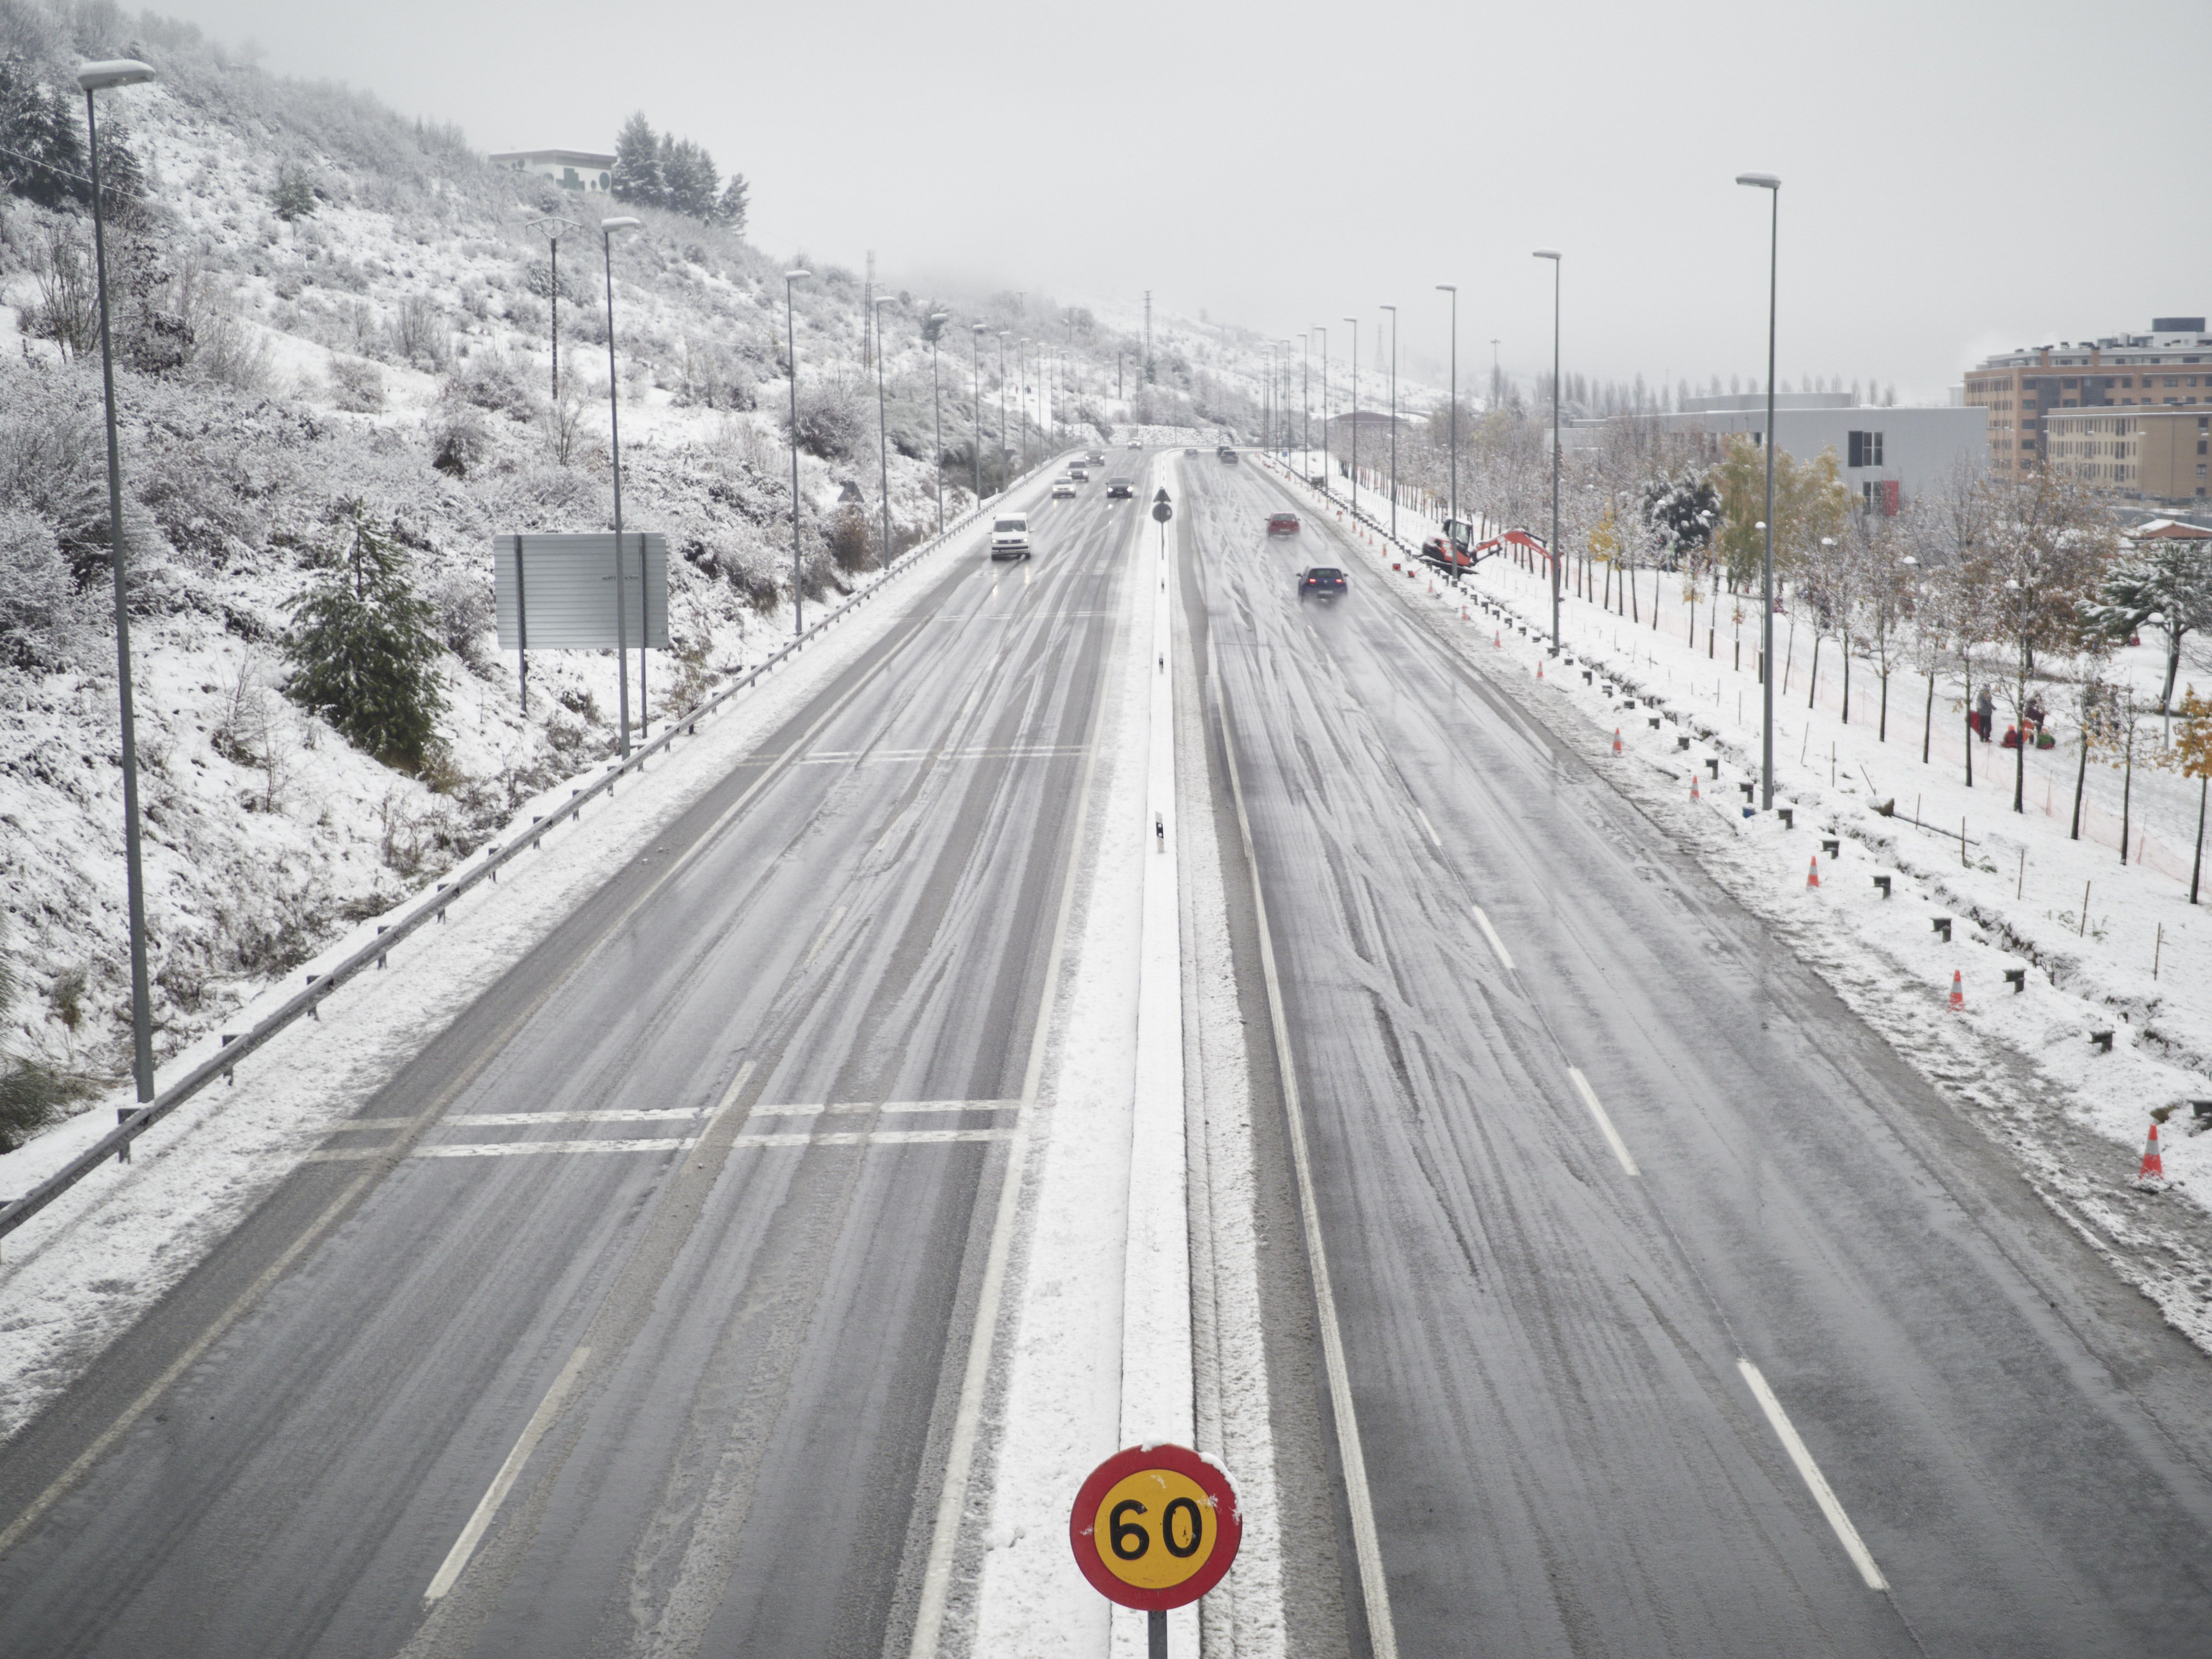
[{"x": 1282, "y": 524}]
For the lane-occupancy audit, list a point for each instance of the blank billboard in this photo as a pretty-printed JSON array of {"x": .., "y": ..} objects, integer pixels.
[{"x": 568, "y": 583}]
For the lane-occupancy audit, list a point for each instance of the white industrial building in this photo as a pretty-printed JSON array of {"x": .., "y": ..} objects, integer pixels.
[{"x": 1885, "y": 453}]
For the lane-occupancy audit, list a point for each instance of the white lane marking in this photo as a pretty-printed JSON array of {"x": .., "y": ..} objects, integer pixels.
[
  {"x": 1612, "y": 1135},
  {"x": 684, "y": 1143},
  {"x": 1366, "y": 1538},
  {"x": 811, "y": 1109},
  {"x": 967, "y": 1418},
  {"x": 822, "y": 937},
  {"x": 1823, "y": 1494},
  {"x": 611, "y": 1114},
  {"x": 1430, "y": 828},
  {"x": 510, "y": 1472},
  {"x": 1491, "y": 933}
]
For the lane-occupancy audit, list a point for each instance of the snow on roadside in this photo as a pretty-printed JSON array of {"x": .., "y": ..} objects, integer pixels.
[
  {"x": 79, "y": 1273},
  {"x": 2021, "y": 1062}
]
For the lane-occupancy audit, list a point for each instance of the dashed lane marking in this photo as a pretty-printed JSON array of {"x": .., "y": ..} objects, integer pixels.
[
  {"x": 1604, "y": 1123},
  {"x": 1491, "y": 933},
  {"x": 1823, "y": 1494}
]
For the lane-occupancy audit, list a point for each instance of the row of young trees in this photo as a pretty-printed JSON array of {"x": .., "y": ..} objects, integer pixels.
[
  {"x": 663, "y": 171},
  {"x": 2016, "y": 593}
]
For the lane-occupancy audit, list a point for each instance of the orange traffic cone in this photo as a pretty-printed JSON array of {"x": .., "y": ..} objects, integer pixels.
[
  {"x": 1616, "y": 740},
  {"x": 2153, "y": 1173},
  {"x": 1813, "y": 875},
  {"x": 1539, "y": 670},
  {"x": 1694, "y": 795},
  {"x": 1498, "y": 639},
  {"x": 1958, "y": 990}
]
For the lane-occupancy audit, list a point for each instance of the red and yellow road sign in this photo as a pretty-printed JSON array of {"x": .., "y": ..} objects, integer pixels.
[{"x": 1155, "y": 1527}]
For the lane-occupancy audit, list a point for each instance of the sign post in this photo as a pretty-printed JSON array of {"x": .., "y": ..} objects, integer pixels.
[
  {"x": 1155, "y": 1528},
  {"x": 1161, "y": 514}
]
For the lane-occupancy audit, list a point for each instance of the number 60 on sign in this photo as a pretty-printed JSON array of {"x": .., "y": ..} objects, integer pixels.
[{"x": 1155, "y": 1527}]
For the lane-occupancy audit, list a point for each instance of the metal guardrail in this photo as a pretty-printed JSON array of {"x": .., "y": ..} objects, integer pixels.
[{"x": 432, "y": 908}]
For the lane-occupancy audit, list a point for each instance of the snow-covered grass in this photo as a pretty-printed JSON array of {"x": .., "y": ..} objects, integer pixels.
[{"x": 2022, "y": 1061}]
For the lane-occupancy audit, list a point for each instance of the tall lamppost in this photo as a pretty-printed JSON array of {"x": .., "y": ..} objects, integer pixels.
[
  {"x": 1002, "y": 402},
  {"x": 1306, "y": 406},
  {"x": 1393, "y": 310},
  {"x": 791, "y": 344},
  {"x": 1452, "y": 290},
  {"x": 551, "y": 227},
  {"x": 883, "y": 431},
  {"x": 1553, "y": 255},
  {"x": 96, "y": 78},
  {"x": 1353, "y": 324},
  {"x": 1772, "y": 185},
  {"x": 937, "y": 321},
  {"x": 1323, "y": 332},
  {"x": 976, "y": 359},
  {"x": 607, "y": 229}
]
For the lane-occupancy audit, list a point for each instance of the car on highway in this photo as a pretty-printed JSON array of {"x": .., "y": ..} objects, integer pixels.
[
  {"x": 1079, "y": 472},
  {"x": 1190, "y": 452},
  {"x": 1282, "y": 524},
  {"x": 1009, "y": 536},
  {"x": 1120, "y": 490},
  {"x": 1097, "y": 457},
  {"x": 1134, "y": 444},
  {"x": 1322, "y": 582},
  {"x": 1228, "y": 454},
  {"x": 1062, "y": 488}
]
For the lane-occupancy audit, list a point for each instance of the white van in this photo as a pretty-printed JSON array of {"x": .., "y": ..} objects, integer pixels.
[{"x": 1009, "y": 536}]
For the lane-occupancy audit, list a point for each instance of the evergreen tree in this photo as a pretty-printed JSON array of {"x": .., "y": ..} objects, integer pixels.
[
  {"x": 730, "y": 209},
  {"x": 364, "y": 650},
  {"x": 294, "y": 199},
  {"x": 637, "y": 164},
  {"x": 689, "y": 177},
  {"x": 2167, "y": 582}
]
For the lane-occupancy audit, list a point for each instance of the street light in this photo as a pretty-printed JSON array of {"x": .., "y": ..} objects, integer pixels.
[
  {"x": 883, "y": 431},
  {"x": 1002, "y": 402},
  {"x": 1323, "y": 332},
  {"x": 975, "y": 356},
  {"x": 1769, "y": 183},
  {"x": 937, "y": 321},
  {"x": 1553, "y": 255},
  {"x": 1452, "y": 290},
  {"x": 607, "y": 229},
  {"x": 97, "y": 77},
  {"x": 1305, "y": 408},
  {"x": 1393, "y": 310},
  {"x": 791, "y": 344},
  {"x": 1353, "y": 322}
]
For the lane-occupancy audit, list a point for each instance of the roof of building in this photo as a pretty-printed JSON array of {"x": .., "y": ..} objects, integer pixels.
[
  {"x": 2169, "y": 530},
  {"x": 582, "y": 158}
]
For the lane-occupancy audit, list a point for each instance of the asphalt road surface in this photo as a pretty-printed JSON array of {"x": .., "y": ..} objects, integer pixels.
[
  {"x": 1558, "y": 1362},
  {"x": 695, "y": 1196}
]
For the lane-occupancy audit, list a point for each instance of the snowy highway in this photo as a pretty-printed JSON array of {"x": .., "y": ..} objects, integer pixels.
[
  {"x": 639, "y": 1314},
  {"x": 646, "y": 1329},
  {"x": 1635, "y": 1233}
]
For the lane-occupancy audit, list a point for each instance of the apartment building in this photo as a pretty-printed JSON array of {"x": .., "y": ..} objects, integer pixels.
[
  {"x": 2158, "y": 454},
  {"x": 2168, "y": 368}
]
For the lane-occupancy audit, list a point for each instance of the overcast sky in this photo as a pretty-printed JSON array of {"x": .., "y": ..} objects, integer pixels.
[{"x": 1959, "y": 177}]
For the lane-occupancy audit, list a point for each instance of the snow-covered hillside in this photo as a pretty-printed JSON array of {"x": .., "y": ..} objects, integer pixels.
[{"x": 389, "y": 352}]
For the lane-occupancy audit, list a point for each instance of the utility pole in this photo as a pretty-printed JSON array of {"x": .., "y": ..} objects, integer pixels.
[
  {"x": 869, "y": 320},
  {"x": 1148, "y": 334}
]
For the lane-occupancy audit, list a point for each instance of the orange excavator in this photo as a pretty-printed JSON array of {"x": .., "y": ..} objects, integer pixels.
[{"x": 1456, "y": 551}]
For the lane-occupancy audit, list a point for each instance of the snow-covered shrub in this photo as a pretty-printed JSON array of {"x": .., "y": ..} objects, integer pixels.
[
  {"x": 850, "y": 538},
  {"x": 490, "y": 380},
  {"x": 356, "y": 384},
  {"x": 35, "y": 593},
  {"x": 829, "y": 422},
  {"x": 460, "y": 439},
  {"x": 230, "y": 350},
  {"x": 67, "y": 311},
  {"x": 419, "y": 334},
  {"x": 713, "y": 375}
]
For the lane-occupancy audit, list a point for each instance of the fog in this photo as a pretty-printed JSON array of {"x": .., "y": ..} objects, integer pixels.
[{"x": 1957, "y": 179}]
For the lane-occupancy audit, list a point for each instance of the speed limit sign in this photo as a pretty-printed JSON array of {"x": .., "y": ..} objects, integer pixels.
[{"x": 1155, "y": 1527}]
